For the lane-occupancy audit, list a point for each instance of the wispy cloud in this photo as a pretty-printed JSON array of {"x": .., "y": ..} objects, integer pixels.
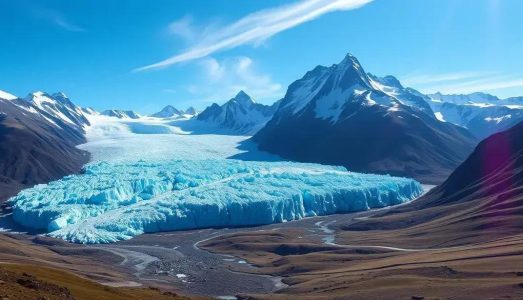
[
  {"x": 63, "y": 23},
  {"x": 183, "y": 28},
  {"x": 465, "y": 82},
  {"x": 426, "y": 79},
  {"x": 223, "y": 79},
  {"x": 254, "y": 28},
  {"x": 54, "y": 16}
]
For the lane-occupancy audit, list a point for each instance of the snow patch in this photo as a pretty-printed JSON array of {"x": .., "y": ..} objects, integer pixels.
[
  {"x": 499, "y": 119},
  {"x": 7, "y": 96},
  {"x": 439, "y": 116}
]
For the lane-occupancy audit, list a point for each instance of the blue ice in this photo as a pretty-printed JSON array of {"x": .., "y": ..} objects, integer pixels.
[{"x": 116, "y": 201}]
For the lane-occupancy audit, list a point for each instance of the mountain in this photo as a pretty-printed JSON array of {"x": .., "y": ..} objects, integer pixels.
[
  {"x": 482, "y": 114},
  {"x": 391, "y": 86},
  {"x": 171, "y": 112},
  {"x": 240, "y": 114},
  {"x": 341, "y": 115},
  {"x": 58, "y": 106},
  {"x": 191, "y": 111},
  {"x": 465, "y": 98},
  {"x": 480, "y": 201},
  {"x": 38, "y": 138},
  {"x": 167, "y": 112},
  {"x": 121, "y": 114}
]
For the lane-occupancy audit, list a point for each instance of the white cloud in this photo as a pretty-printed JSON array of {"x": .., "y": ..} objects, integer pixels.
[
  {"x": 183, "y": 28},
  {"x": 62, "y": 22},
  {"x": 465, "y": 82},
  {"x": 56, "y": 17},
  {"x": 221, "y": 80},
  {"x": 255, "y": 28},
  {"x": 426, "y": 79}
]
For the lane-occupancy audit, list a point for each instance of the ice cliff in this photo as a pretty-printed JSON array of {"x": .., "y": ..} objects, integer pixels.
[{"x": 117, "y": 201}]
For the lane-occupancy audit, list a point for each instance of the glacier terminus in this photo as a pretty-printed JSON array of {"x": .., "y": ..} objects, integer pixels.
[{"x": 113, "y": 201}]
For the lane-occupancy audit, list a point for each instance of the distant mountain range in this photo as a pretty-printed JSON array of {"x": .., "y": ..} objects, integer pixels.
[
  {"x": 482, "y": 114},
  {"x": 343, "y": 116},
  {"x": 121, "y": 114},
  {"x": 240, "y": 114},
  {"x": 171, "y": 112}
]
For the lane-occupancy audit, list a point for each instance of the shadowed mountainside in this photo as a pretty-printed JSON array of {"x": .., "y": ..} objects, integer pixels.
[{"x": 35, "y": 146}]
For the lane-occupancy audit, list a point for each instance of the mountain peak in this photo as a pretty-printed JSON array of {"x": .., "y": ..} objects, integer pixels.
[
  {"x": 392, "y": 81},
  {"x": 38, "y": 97},
  {"x": 167, "y": 112},
  {"x": 191, "y": 111},
  {"x": 7, "y": 96},
  {"x": 243, "y": 99},
  {"x": 350, "y": 60}
]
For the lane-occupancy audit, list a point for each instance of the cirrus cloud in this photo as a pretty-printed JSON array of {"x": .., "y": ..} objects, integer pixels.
[
  {"x": 253, "y": 28},
  {"x": 222, "y": 79}
]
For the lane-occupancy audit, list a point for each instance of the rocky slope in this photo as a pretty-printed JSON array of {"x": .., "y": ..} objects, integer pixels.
[
  {"x": 341, "y": 115},
  {"x": 38, "y": 136}
]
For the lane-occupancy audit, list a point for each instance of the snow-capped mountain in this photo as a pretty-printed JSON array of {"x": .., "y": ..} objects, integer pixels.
[
  {"x": 191, "y": 111},
  {"x": 391, "y": 86},
  {"x": 240, "y": 114},
  {"x": 168, "y": 112},
  {"x": 7, "y": 96},
  {"x": 465, "y": 98},
  {"x": 121, "y": 114},
  {"x": 172, "y": 112},
  {"x": 481, "y": 113},
  {"x": 57, "y": 108},
  {"x": 341, "y": 115},
  {"x": 38, "y": 138}
]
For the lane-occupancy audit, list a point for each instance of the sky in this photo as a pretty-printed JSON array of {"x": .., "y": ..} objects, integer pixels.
[{"x": 143, "y": 55}]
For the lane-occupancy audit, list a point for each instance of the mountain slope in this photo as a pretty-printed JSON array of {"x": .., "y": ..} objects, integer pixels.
[
  {"x": 37, "y": 141},
  {"x": 482, "y": 199},
  {"x": 240, "y": 114},
  {"x": 341, "y": 115}
]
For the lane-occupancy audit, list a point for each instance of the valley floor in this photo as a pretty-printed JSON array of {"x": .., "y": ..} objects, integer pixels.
[{"x": 312, "y": 258}]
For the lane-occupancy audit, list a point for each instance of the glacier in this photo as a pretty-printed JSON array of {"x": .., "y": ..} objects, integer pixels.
[{"x": 114, "y": 201}]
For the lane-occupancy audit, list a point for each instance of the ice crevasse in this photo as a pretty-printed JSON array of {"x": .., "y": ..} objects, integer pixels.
[{"x": 110, "y": 202}]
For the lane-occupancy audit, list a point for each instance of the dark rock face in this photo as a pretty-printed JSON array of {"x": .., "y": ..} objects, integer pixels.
[
  {"x": 36, "y": 147},
  {"x": 340, "y": 115}
]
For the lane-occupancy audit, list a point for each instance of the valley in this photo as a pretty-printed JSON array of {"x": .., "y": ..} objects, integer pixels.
[{"x": 253, "y": 201}]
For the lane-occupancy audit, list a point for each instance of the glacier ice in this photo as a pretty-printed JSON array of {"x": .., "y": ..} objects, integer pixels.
[
  {"x": 116, "y": 201},
  {"x": 115, "y": 140}
]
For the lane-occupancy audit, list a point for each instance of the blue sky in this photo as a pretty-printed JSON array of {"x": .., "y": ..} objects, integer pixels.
[{"x": 143, "y": 55}]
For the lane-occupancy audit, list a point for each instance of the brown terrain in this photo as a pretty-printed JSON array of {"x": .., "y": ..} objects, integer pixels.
[
  {"x": 463, "y": 240},
  {"x": 30, "y": 271},
  {"x": 35, "y": 282}
]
